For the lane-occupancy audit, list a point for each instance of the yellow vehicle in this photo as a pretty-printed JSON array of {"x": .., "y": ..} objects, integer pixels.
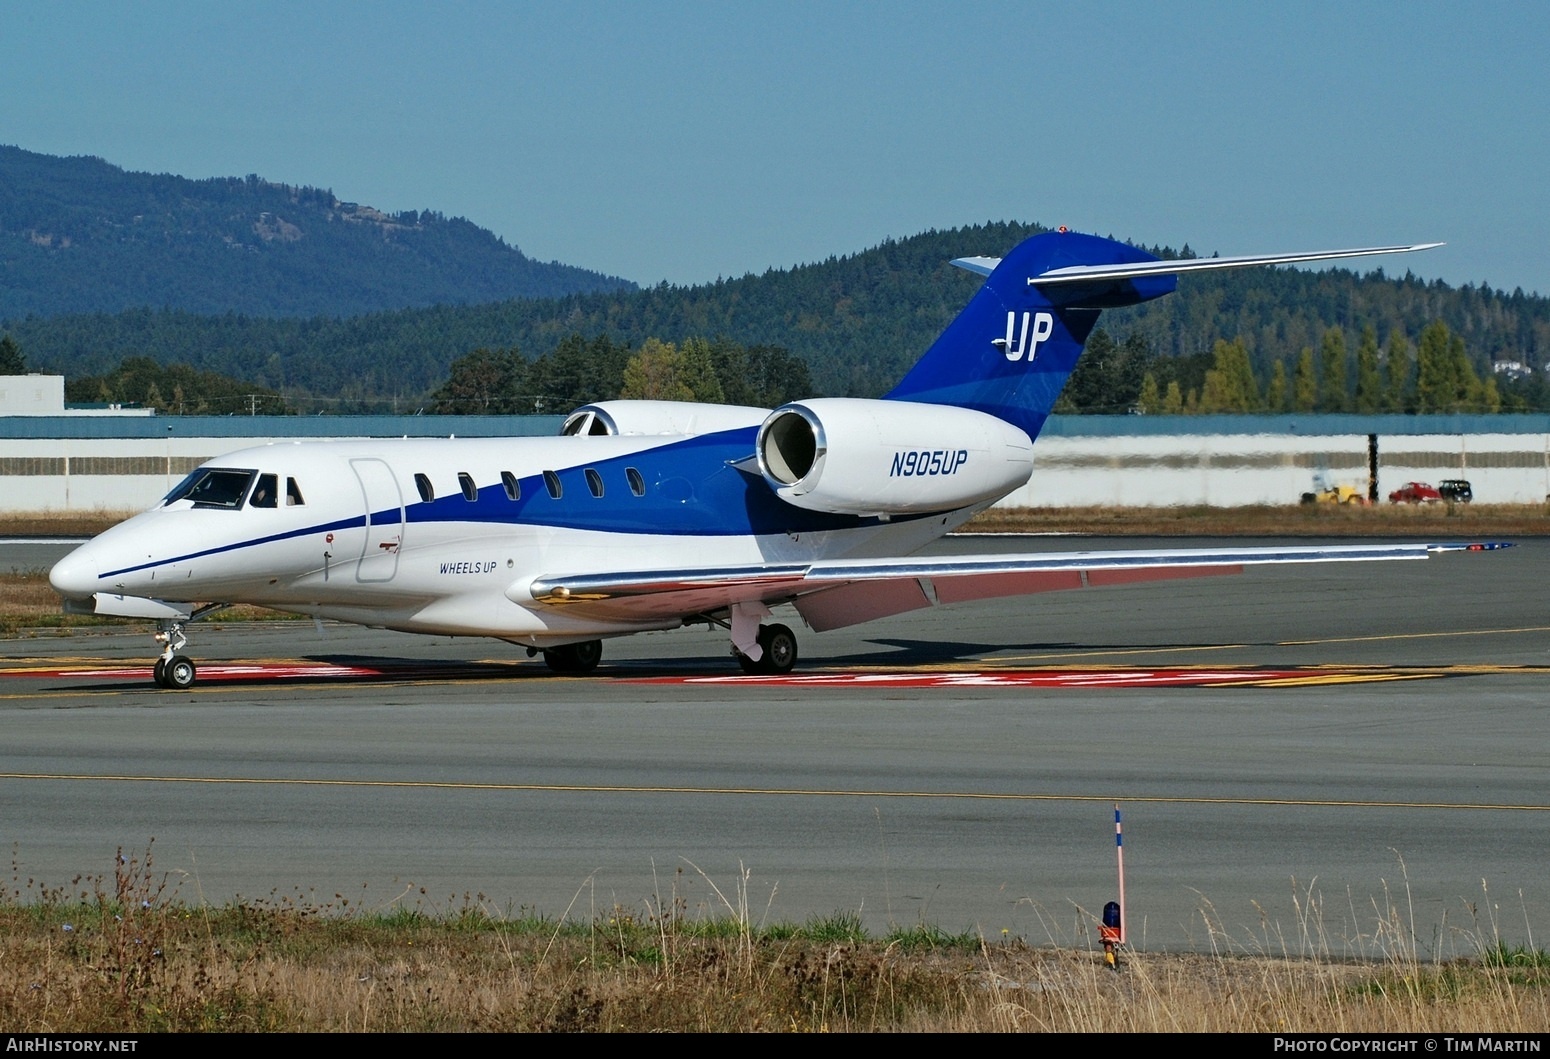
[{"x": 1336, "y": 494}]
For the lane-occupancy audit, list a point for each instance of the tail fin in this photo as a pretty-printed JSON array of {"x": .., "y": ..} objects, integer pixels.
[{"x": 1012, "y": 348}]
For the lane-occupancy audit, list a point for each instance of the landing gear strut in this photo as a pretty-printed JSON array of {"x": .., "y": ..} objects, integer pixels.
[
  {"x": 575, "y": 657},
  {"x": 173, "y": 669},
  {"x": 780, "y": 652}
]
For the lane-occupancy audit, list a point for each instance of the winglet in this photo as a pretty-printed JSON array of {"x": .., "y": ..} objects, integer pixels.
[{"x": 1472, "y": 546}]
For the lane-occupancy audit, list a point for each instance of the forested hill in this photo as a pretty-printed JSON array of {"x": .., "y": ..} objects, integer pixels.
[
  {"x": 79, "y": 235},
  {"x": 858, "y": 322}
]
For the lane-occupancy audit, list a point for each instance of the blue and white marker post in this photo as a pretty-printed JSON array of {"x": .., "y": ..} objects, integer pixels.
[{"x": 1112, "y": 930}]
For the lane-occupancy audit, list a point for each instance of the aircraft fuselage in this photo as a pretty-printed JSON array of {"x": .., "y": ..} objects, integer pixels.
[{"x": 444, "y": 536}]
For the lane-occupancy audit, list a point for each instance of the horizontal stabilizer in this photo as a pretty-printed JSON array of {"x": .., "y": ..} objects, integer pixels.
[
  {"x": 984, "y": 266},
  {"x": 1135, "y": 270}
]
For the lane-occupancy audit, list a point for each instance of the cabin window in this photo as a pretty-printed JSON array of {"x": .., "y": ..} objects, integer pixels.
[
  {"x": 293, "y": 494},
  {"x": 552, "y": 483},
  {"x": 513, "y": 485},
  {"x": 267, "y": 492},
  {"x": 594, "y": 482},
  {"x": 637, "y": 483},
  {"x": 466, "y": 482},
  {"x": 423, "y": 484},
  {"x": 213, "y": 487}
]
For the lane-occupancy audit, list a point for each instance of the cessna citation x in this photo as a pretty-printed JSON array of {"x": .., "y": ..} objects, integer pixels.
[{"x": 653, "y": 515}]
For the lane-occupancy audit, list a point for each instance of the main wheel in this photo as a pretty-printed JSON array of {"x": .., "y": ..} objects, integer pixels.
[
  {"x": 575, "y": 657},
  {"x": 780, "y": 649},
  {"x": 178, "y": 673}
]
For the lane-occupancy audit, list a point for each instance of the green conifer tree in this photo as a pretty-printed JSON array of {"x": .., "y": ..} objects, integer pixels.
[
  {"x": 1332, "y": 372},
  {"x": 1369, "y": 379},
  {"x": 1305, "y": 383},
  {"x": 1399, "y": 363}
]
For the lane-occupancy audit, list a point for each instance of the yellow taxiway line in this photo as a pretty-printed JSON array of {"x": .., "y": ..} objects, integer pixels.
[{"x": 785, "y": 792}]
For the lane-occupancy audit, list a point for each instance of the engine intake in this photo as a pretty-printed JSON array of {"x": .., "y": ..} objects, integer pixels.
[{"x": 849, "y": 456}]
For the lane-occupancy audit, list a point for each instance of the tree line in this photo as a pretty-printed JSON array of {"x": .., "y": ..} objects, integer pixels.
[
  {"x": 580, "y": 371},
  {"x": 175, "y": 389},
  {"x": 1433, "y": 375},
  {"x": 857, "y": 322}
]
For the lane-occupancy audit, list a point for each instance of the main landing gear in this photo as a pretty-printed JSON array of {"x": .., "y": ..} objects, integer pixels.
[
  {"x": 760, "y": 649},
  {"x": 174, "y": 670},
  {"x": 780, "y": 652},
  {"x": 575, "y": 657}
]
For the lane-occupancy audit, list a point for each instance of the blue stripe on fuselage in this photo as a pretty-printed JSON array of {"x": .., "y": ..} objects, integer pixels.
[
  {"x": 691, "y": 490},
  {"x": 324, "y": 527}
]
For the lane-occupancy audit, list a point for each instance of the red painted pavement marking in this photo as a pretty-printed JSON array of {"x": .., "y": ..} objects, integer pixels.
[
  {"x": 214, "y": 672},
  {"x": 1074, "y": 678}
]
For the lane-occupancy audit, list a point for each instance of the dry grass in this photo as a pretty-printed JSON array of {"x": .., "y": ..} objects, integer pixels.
[
  {"x": 1429, "y": 520},
  {"x": 59, "y": 523},
  {"x": 123, "y": 955},
  {"x": 1293, "y": 520}
]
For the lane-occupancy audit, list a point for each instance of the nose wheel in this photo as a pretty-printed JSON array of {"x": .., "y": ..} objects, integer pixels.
[{"x": 176, "y": 673}]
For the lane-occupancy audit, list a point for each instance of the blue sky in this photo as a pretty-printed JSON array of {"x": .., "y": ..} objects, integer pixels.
[{"x": 686, "y": 141}]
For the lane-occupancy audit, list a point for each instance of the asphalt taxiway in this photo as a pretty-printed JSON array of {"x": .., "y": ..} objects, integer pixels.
[{"x": 1330, "y": 753}]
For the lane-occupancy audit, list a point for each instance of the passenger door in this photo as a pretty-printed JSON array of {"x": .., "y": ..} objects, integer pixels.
[{"x": 384, "y": 520}]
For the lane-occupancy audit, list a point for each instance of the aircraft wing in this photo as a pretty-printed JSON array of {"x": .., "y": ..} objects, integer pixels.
[{"x": 831, "y": 594}]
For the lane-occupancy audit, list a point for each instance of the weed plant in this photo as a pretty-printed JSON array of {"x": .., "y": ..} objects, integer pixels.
[{"x": 122, "y": 953}]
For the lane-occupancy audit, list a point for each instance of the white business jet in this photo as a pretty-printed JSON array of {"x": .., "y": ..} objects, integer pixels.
[{"x": 653, "y": 515}]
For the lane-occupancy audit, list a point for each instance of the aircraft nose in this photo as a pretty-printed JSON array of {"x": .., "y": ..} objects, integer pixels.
[{"x": 74, "y": 576}]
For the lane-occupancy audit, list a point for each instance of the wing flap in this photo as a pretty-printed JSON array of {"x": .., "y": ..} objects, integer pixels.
[
  {"x": 852, "y": 604},
  {"x": 1103, "y": 578}
]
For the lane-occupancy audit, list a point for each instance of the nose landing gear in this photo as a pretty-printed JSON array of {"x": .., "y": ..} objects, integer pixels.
[{"x": 174, "y": 670}]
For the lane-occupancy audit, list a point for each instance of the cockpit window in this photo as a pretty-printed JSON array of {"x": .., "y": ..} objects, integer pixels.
[
  {"x": 267, "y": 492},
  {"x": 213, "y": 487},
  {"x": 293, "y": 494}
]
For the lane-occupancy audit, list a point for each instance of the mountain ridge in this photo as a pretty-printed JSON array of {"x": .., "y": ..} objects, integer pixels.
[{"x": 79, "y": 235}]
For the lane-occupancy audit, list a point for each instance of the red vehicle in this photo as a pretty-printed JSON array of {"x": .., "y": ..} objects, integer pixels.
[{"x": 1415, "y": 493}]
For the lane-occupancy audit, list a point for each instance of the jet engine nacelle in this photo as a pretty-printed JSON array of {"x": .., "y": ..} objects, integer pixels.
[
  {"x": 612, "y": 418},
  {"x": 861, "y": 457}
]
